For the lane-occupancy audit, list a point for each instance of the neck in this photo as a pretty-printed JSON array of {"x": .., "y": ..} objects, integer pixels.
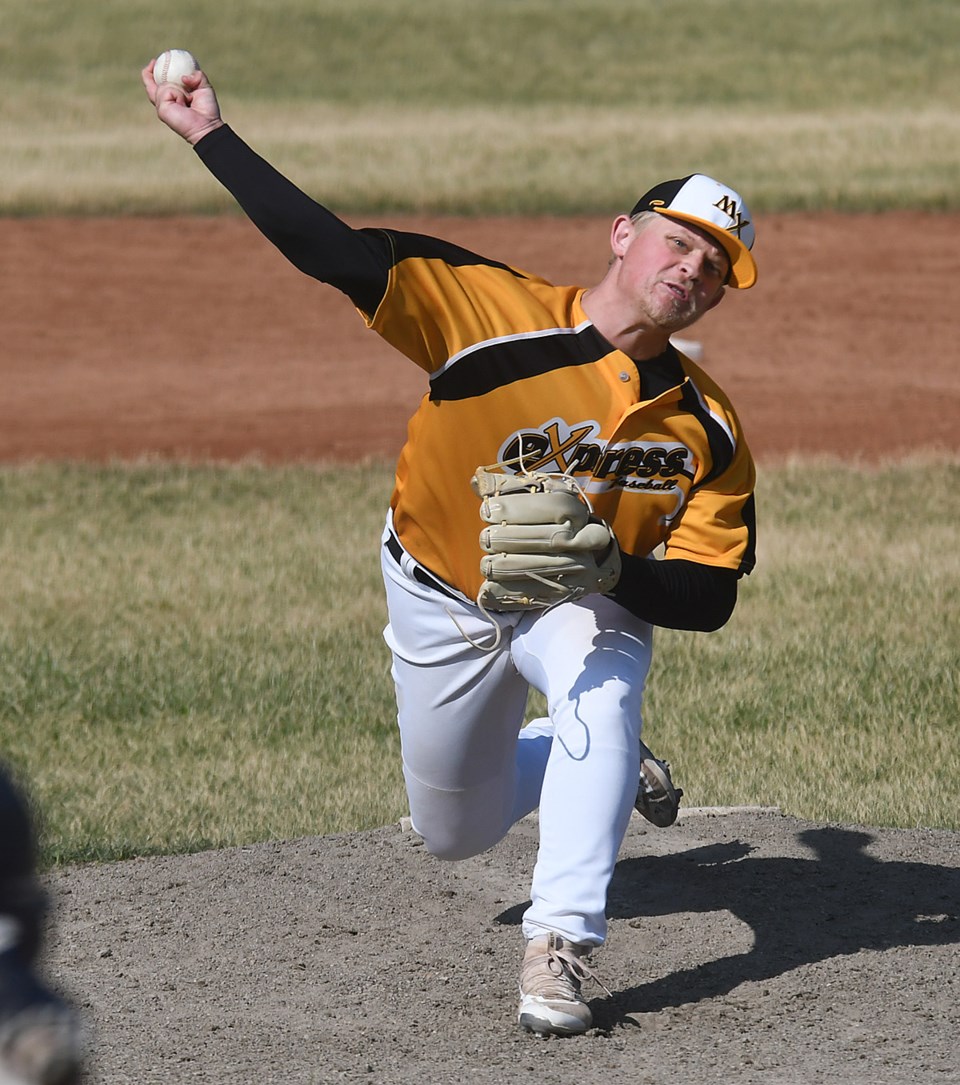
[{"x": 640, "y": 341}]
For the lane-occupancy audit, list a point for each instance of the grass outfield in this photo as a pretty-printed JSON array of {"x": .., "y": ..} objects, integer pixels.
[
  {"x": 491, "y": 105},
  {"x": 191, "y": 657}
]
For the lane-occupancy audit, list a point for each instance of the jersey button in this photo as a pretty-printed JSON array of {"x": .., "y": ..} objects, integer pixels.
[{"x": 625, "y": 377}]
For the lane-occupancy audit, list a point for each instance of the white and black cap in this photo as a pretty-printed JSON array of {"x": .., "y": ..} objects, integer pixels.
[{"x": 711, "y": 206}]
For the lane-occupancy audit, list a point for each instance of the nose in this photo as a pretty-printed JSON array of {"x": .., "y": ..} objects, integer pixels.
[{"x": 692, "y": 265}]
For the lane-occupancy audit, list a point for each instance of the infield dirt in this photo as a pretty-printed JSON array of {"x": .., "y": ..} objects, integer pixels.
[
  {"x": 745, "y": 946},
  {"x": 193, "y": 338}
]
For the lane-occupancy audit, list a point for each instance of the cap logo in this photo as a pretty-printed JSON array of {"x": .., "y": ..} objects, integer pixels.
[{"x": 730, "y": 209}]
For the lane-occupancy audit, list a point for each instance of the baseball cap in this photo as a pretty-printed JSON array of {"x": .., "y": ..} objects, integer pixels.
[{"x": 704, "y": 202}]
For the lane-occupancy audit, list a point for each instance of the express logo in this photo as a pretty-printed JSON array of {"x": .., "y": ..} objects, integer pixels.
[
  {"x": 575, "y": 450},
  {"x": 554, "y": 447}
]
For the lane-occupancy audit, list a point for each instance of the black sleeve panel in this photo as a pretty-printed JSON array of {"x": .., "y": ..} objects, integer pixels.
[
  {"x": 677, "y": 594},
  {"x": 312, "y": 238}
]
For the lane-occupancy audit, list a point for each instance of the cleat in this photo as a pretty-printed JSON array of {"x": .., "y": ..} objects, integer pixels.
[
  {"x": 657, "y": 799},
  {"x": 550, "y": 979}
]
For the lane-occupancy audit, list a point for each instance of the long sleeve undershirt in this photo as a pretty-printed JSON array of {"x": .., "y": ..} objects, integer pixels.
[
  {"x": 310, "y": 236},
  {"x": 678, "y": 594}
]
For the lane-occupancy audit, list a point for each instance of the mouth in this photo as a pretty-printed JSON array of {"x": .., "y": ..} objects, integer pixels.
[{"x": 676, "y": 290}]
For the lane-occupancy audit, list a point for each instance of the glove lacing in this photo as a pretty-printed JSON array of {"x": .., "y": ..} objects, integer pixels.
[{"x": 568, "y": 594}]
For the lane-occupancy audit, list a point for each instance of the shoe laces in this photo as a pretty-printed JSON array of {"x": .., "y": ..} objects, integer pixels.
[
  {"x": 650, "y": 787},
  {"x": 557, "y": 973}
]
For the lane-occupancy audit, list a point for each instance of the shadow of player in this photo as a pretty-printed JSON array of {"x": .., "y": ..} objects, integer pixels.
[{"x": 801, "y": 910}]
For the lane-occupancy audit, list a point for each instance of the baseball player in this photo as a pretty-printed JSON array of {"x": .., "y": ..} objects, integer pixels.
[
  {"x": 561, "y": 442},
  {"x": 39, "y": 1033}
]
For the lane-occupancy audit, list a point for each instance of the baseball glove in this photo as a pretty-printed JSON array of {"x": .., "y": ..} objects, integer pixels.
[{"x": 544, "y": 545}]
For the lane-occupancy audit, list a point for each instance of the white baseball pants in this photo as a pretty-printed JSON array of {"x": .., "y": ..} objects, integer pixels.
[{"x": 472, "y": 769}]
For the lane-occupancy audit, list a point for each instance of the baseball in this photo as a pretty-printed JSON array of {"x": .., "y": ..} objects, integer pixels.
[{"x": 173, "y": 65}]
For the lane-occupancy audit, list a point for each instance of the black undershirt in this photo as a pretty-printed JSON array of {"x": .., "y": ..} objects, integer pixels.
[{"x": 677, "y": 594}]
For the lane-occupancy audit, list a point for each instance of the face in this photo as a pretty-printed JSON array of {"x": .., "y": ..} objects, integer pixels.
[{"x": 670, "y": 273}]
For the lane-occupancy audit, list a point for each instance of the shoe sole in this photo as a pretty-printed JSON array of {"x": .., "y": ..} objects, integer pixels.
[
  {"x": 663, "y": 811},
  {"x": 542, "y": 1026}
]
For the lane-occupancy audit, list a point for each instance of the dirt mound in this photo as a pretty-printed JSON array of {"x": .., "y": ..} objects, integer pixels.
[{"x": 745, "y": 947}]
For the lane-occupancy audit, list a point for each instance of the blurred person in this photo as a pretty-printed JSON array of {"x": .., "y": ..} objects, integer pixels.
[{"x": 40, "y": 1036}]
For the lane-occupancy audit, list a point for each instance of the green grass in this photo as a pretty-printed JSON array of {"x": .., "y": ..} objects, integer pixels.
[
  {"x": 186, "y": 660},
  {"x": 192, "y": 657},
  {"x": 492, "y": 105}
]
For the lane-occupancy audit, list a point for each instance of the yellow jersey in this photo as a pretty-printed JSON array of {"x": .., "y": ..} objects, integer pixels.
[{"x": 518, "y": 371}]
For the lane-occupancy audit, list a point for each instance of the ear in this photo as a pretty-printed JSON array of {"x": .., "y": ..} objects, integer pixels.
[{"x": 621, "y": 234}]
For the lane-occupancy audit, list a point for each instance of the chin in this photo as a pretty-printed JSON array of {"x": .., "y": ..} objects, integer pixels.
[{"x": 672, "y": 325}]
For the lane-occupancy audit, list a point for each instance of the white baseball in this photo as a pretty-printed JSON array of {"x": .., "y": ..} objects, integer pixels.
[{"x": 173, "y": 65}]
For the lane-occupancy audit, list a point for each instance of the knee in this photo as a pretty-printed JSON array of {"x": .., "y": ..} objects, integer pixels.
[
  {"x": 458, "y": 824},
  {"x": 451, "y": 846},
  {"x": 451, "y": 852}
]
